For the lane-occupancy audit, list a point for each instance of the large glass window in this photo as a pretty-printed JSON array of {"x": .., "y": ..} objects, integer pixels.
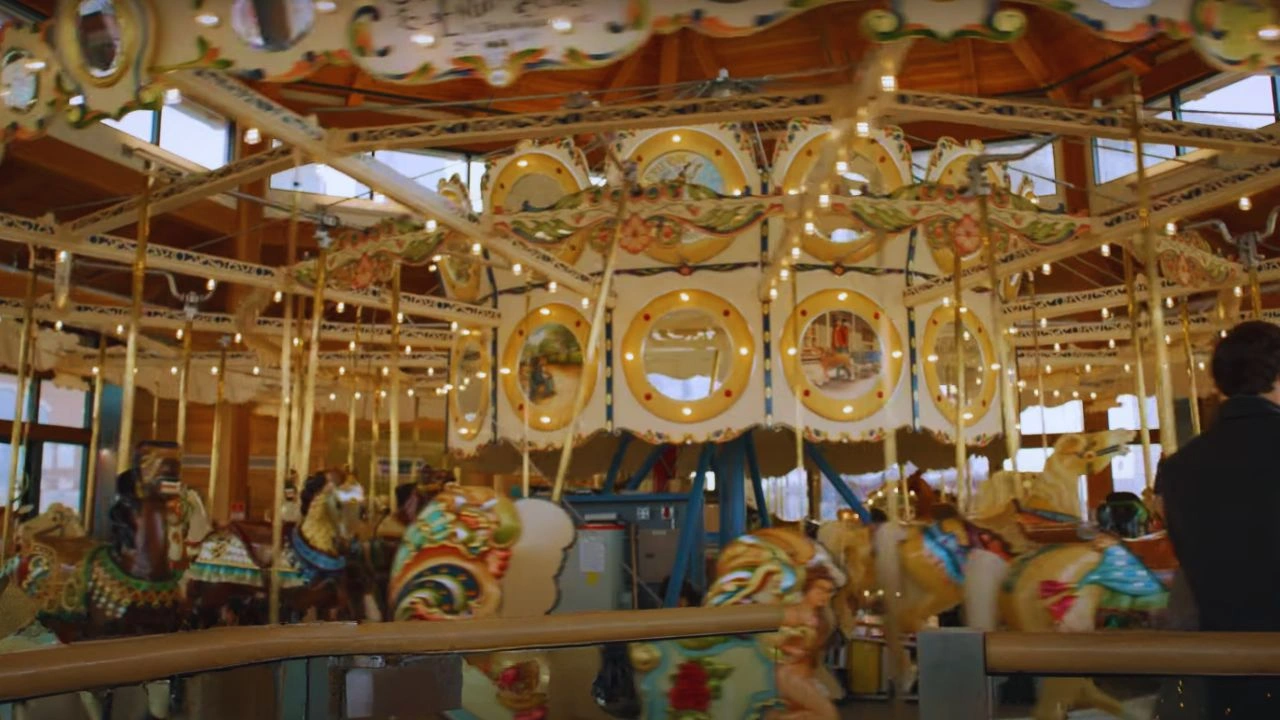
[
  {"x": 5, "y": 457},
  {"x": 8, "y": 394},
  {"x": 1247, "y": 103},
  {"x": 139, "y": 123},
  {"x": 61, "y": 406},
  {"x": 1125, "y": 415},
  {"x": 1114, "y": 159},
  {"x": 1065, "y": 418},
  {"x": 1128, "y": 474},
  {"x": 321, "y": 180},
  {"x": 1039, "y": 166},
  {"x": 196, "y": 134},
  {"x": 62, "y": 468}
]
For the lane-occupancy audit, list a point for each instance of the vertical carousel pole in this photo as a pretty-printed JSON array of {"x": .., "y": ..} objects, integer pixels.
[
  {"x": 313, "y": 363},
  {"x": 19, "y": 402},
  {"x": 351, "y": 406},
  {"x": 374, "y": 433},
  {"x": 393, "y": 361},
  {"x": 1035, "y": 343},
  {"x": 900, "y": 505},
  {"x": 1140, "y": 375},
  {"x": 155, "y": 415},
  {"x": 524, "y": 438},
  {"x": 95, "y": 433},
  {"x": 184, "y": 378},
  {"x": 219, "y": 427},
  {"x": 962, "y": 457},
  {"x": 813, "y": 481},
  {"x": 1008, "y": 399},
  {"x": 597, "y": 329},
  {"x": 124, "y": 456},
  {"x": 296, "y": 462},
  {"x": 1155, "y": 291},
  {"x": 282, "y": 423},
  {"x": 1189, "y": 350}
]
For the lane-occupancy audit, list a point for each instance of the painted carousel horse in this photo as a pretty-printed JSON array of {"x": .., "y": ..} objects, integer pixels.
[
  {"x": 775, "y": 675},
  {"x": 231, "y": 571},
  {"x": 1057, "y": 488},
  {"x": 474, "y": 553},
  {"x": 837, "y": 362}
]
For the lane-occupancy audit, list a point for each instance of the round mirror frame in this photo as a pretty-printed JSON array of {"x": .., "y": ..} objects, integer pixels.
[
  {"x": 536, "y": 163},
  {"x": 842, "y": 409},
  {"x": 457, "y": 418},
  {"x": 556, "y": 313},
  {"x": 66, "y": 29},
  {"x": 978, "y": 407},
  {"x": 688, "y": 411}
]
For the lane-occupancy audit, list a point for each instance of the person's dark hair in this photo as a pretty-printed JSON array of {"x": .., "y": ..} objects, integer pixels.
[{"x": 1247, "y": 360}]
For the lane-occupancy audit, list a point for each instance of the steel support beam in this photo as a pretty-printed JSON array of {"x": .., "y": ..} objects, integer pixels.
[{"x": 237, "y": 100}]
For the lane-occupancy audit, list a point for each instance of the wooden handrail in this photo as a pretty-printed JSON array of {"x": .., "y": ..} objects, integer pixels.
[
  {"x": 124, "y": 661},
  {"x": 1133, "y": 653}
]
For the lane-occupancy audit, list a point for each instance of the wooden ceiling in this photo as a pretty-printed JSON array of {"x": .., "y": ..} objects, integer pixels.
[{"x": 1057, "y": 59}]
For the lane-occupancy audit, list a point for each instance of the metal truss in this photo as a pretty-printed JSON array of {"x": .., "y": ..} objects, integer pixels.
[
  {"x": 1120, "y": 226},
  {"x": 184, "y": 191},
  {"x": 239, "y": 101},
  {"x": 16, "y": 228},
  {"x": 436, "y": 361},
  {"x": 1085, "y": 122}
]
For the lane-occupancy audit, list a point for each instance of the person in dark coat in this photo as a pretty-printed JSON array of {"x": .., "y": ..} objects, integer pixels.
[{"x": 1221, "y": 497}]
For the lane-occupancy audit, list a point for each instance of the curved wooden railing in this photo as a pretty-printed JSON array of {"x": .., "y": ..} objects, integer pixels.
[
  {"x": 1133, "y": 653},
  {"x": 112, "y": 663}
]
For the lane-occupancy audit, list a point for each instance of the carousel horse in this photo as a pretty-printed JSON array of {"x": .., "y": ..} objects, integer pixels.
[
  {"x": 1057, "y": 488},
  {"x": 232, "y": 572},
  {"x": 474, "y": 553},
  {"x": 839, "y": 362},
  {"x": 777, "y": 675}
]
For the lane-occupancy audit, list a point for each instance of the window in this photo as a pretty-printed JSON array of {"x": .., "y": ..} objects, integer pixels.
[
  {"x": 61, "y": 407},
  {"x": 139, "y": 123},
  {"x": 1128, "y": 474},
  {"x": 1252, "y": 95},
  {"x": 8, "y": 395},
  {"x": 920, "y": 162},
  {"x": 474, "y": 185},
  {"x": 1030, "y": 459},
  {"x": 321, "y": 180},
  {"x": 1114, "y": 159},
  {"x": 787, "y": 496},
  {"x": 196, "y": 134},
  {"x": 62, "y": 468},
  {"x": 5, "y": 457},
  {"x": 1040, "y": 166},
  {"x": 1064, "y": 418},
  {"x": 1125, "y": 415}
]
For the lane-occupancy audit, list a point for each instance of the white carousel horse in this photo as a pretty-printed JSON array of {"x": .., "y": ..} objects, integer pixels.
[{"x": 1057, "y": 489}]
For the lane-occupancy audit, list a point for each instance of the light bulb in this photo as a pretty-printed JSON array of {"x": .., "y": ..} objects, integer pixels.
[
  {"x": 1044, "y": 322},
  {"x": 239, "y": 338},
  {"x": 333, "y": 396},
  {"x": 552, "y": 286},
  {"x": 252, "y": 136},
  {"x": 257, "y": 370},
  {"x": 516, "y": 269},
  {"x": 1111, "y": 343},
  {"x": 342, "y": 307},
  {"x": 1047, "y": 269},
  {"x": 888, "y": 83},
  {"x": 1105, "y": 250},
  {"x": 342, "y": 370},
  {"x": 1171, "y": 228},
  {"x": 173, "y": 370},
  {"x": 408, "y": 349},
  {"x": 476, "y": 249},
  {"x": 119, "y": 329},
  {"x": 1168, "y": 302},
  {"x": 1246, "y": 204},
  {"x": 1106, "y": 313},
  {"x": 278, "y": 296}
]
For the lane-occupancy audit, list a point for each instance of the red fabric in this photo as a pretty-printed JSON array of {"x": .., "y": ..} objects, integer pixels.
[
  {"x": 1052, "y": 588},
  {"x": 689, "y": 690},
  {"x": 1059, "y": 608}
]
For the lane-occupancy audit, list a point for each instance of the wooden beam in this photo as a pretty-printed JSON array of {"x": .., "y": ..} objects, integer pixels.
[
  {"x": 705, "y": 55},
  {"x": 968, "y": 67},
  {"x": 669, "y": 65},
  {"x": 623, "y": 77},
  {"x": 1036, "y": 68}
]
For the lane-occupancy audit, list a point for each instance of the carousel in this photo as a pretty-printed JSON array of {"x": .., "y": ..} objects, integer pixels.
[{"x": 504, "y": 309}]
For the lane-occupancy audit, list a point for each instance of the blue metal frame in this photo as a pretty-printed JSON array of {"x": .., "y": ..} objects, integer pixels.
[
  {"x": 757, "y": 480},
  {"x": 731, "y": 487},
  {"x": 833, "y": 477},
  {"x": 615, "y": 465},
  {"x": 690, "y": 529},
  {"x": 646, "y": 467}
]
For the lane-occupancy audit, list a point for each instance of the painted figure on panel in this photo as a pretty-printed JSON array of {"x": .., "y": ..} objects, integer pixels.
[
  {"x": 551, "y": 368},
  {"x": 841, "y": 354}
]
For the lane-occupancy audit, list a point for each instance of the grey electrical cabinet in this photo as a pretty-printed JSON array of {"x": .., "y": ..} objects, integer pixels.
[{"x": 595, "y": 575}]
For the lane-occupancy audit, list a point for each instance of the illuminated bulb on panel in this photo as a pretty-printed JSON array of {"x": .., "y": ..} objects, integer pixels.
[
  {"x": 431, "y": 267},
  {"x": 562, "y": 24},
  {"x": 238, "y": 338},
  {"x": 795, "y": 253},
  {"x": 333, "y": 396},
  {"x": 967, "y": 336},
  {"x": 809, "y": 228},
  {"x": 1106, "y": 313},
  {"x": 454, "y": 326},
  {"x": 208, "y": 19},
  {"x": 76, "y": 101},
  {"x": 326, "y": 6},
  {"x": 897, "y": 354},
  {"x": 1222, "y": 334},
  {"x": 675, "y": 137},
  {"x": 517, "y": 269},
  {"x": 1057, "y": 347},
  {"x": 773, "y": 293},
  {"x": 342, "y": 370},
  {"x": 586, "y": 303},
  {"x": 172, "y": 96},
  {"x": 173, "y": 370},
  {"x": 544, "y": 311},
  {"x": 932, "y": 358},
  {"x": 213, "y": 370},
  {"x": 431, "y": 227},
  {"x": 744, "y": 351},
  {"x": 96, "y": 369},
  {"x": 737, "y": 192},
  {"x": 1168, "y": 302},
  {"x": 358, "y": 395},
  {"x": 1269, "y": 32},
  {"x": 1111, "y": 343},
  {"x": 686, "y": 411},
  {"x": 476, "y": 249},
  {"x": 297, "y": 342},
  {"x": 1093, "y": 396},
  {"x": 545, "y": 420},
  {"x": 1056, "y": 393},
  {"x": 946, "y": 301},
  {"x": 784, "y": 273},
  {"x": 1105, "y": 250},
  {"x": 35, "y": 65},
  {"x": 630, "y": 356},
  {"x": 862, "y": 128},
  {"x": 995, "y": 367},
  {"x": 1022, "y": 384},
  {"x": 431, "y": 372},
  {"x": 257, "y": 370},
  {"x": 410, "y": 392},
  {"x": 1171, "y": 228},
  {"x": 847, "y": 409},
  {"x": 1246, "y": 204},
  {"x": 888, "y": 83},
  {"x": 1044, "y": 322},
  {"x": 1237, "y": 291},
  {"x": 252, "y": 136},
  {"x": 791, "y": 351},
  {"x": 1047, "y": 269},
  {"x": 422, "y": 39},
  {"x": 1088, "y": 368},
  {"x": 1075, "y": 394},
  {"x": 400, "y": 317},
  {"x": 480, "y": 375},
  {"x": 1035, "y": 392},
  {"x": 842, "y": 166},
  {"x": 1048, "y": 369},
  {"x": 552, "y": 286},
  {"x": 964, "y": 309},
  {"x": 385, "y": 371},
  {"x": 211, "y": 285},
  {"x": 382, "y": 394},
  {"x": 342, "y": 307},
  {"x": 1200, "y": 365},
  {"x": 119, "y": 329},
  {"x": 684, "y": 297},
  {"x": 408, "y": 349},
  {"x": 278, "y": 296},
  {"x": 824, "y": 201},
  {"x": 1013, "y": 330},
  {"x": 968, "y": 416},
  {"x": 1167, "y": 341},
  {"x": 504, "y": 371},
  {"x": 1128, "y": 368}
]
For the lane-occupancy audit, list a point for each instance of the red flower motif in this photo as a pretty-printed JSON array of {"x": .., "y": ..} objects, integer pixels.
[
  {"x": 967, "y": 238},
  {"x": 689, "y": 689}
]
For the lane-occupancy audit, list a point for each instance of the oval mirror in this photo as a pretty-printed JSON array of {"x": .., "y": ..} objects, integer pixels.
[
  {"x": 272, "y": 25},
  {"x": 944, "y": 350},
  {"x": 687, "y": 355},
  {"x": 100, "y": 37}
]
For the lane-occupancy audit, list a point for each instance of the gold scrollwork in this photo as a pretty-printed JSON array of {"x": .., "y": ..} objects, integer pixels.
[
  {"x": 542, "y": 364},
  {"x": 940, "y": 357},
  {"x": 698, "y": 158},
  {"x": 724, "y": 336},
  {"x": 837, "y": 370},
  {"x": 469, "y": 399},
  {"x": 530, "y": 167}
]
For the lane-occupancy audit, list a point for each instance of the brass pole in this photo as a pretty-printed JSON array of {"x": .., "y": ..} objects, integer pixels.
[
  {"x": 524, "y": 439},
  {"x": 1155, "y": 291},
  {"x": 1008, "y": 398},
  {"x": 296, "y": 463},
  {"x": 313, "y": 364},
  {"x": 1035, "y": 342},
  {"x": 375, "y": 430},
  {"x": 129, "y": 382},
  {"x": 282, "y": 423},
  {"x": 215, "y": 451},
  {"x": 155, "y": 415},
  {"x": 1187, "y": 347},
  {"x": 393, "y": 434},
  {"x": 962, "y": 451},
  {"x": 20, "y": 400},
  {"x": 593, "y": 335},
  {"x": 900, "y": 502},
  {"x": 813, "y": 482},
  {"x": 184, "y": 378},
  {"x": 1255, "y": 289},
  {"x": 95, "y": 434},
  {"x": 1140, "y": 377},
  {"x": 351, "y": 405}
]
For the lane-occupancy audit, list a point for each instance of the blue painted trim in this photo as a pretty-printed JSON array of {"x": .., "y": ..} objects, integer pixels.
[
  {"x": 815, "y": 454},
  {"x": 608, "y": 373},
  {"x": 731, "y": 486},
  {"x": 690, "y": 529},
  {"x": 615, "y": 465},
  {"x": 493, "y": 358},
  {"x": 646, "y": 467},
  {"x": 636, "y": 498},
  {"x": 913, "y": 358},
  {"x": 757, "y": 480}
]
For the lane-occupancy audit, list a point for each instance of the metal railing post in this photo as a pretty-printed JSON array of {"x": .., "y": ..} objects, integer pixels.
[{"x": 953, "y": 675}]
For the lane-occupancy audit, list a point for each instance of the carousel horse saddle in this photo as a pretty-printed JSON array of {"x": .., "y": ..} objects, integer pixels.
[
  {"x": 1046, "y": 527},
  {"x": 1154, "y": 550},
  {"x": 232, "y": 555},
  {"x": 257, "y": 538}
]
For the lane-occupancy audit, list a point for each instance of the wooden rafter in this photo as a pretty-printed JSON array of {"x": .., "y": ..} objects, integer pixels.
[
  {"x": 669, "y": 65},
  {"x": 705, "y": 55},
  {"x": 1037, "y": 68},
  {"x": 968, "y": 67}
]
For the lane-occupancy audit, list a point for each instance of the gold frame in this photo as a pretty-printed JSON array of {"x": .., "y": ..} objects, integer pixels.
[
  {"x": 538, "y": 163},
  {"x": 870, "y": 312},
  {"x": 691, "y": 411},
  {"x": 64, "y": 29},
  {"x": 456, "y": 420},
  {"x": 555, "y": 313},
  {"x": 719, "y": 154},
  {"x": 945, "y": 316},
  {"x": 818, "y": 244}
]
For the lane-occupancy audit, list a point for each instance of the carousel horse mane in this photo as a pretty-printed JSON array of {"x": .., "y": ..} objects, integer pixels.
[{"x": 310, "y": 489}]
